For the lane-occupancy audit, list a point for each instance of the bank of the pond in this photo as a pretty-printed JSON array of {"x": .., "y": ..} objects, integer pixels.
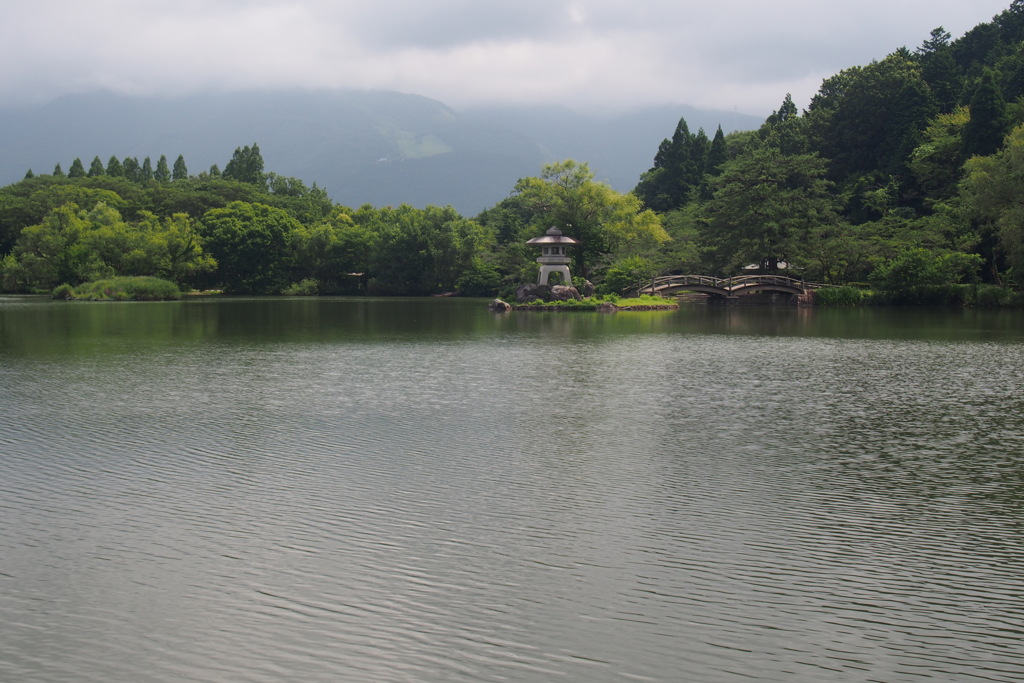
[
  {"x": 609, "y": 305},
  {"x": 950, "y": 296}
]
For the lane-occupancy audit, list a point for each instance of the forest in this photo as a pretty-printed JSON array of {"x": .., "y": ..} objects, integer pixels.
[{"x": 902, "y": 176}]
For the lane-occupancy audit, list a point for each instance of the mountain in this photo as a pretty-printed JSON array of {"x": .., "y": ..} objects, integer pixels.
[{"x": 363, "y": 147}]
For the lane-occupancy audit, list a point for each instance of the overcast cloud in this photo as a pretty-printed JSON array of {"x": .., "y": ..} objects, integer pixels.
[{"x": 605, "y": 54}]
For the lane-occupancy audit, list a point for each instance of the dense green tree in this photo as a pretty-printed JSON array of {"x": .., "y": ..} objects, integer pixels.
[
  {"x": 678, "y": 170},
  {"x": 29, "y": 174},
  {"x": 58, "y": 171},
  {"x": 132, "y": 169},
  {"x": 400, "y": 261},
  {"x": 868, "y": 119},
  {"x": 318, "y": 254},
  {"x": 114, "y": 168},
  {"x": 991, "y": 192},
  {"x": 717, "y": 153},
  {"x": 938, "y": 160},
  {"x": 422, "y": 251},
  {"x": 246, "y": 165},
  {"x": 983, "y": 133},
  {"x": 250, "y": 243},
  {"x": 146, "y": 171},
  {"x": 977, "y": 47},
  {"x": 786, "y": 130},
  {"x": 1011, "y": 23},
  {"x": 180, "y": 171},
  {"x": 74, "y": 246},
  {"x": 939, "y": 70},
  {"x": 567, "y": 196},
  {"x": 765, "y": 206},
  {"x": 917, "y": 269},
  {"x": 77, "y": 169},
  {"x": 162, "y": 174},
  {"x": 96, "y": 168},
  {"x": 42, "y": 258}
]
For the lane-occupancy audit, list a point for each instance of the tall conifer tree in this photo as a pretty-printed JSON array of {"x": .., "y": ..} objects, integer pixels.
[
  {"x": 96, "y": 168},
  {"x": 163, "y": 172},
  {"x": 180, "y": 172},
  {"x": 114, "y": 167},
  {"x": 77, "y": 169},
  {"x": 983, "y": 134}
]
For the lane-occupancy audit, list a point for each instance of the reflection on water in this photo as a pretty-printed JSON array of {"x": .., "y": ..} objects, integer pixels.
[{"x": 334, "y": 489}]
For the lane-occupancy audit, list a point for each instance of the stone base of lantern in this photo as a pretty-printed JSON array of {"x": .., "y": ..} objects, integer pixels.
[{"x": 546, "y": 270}]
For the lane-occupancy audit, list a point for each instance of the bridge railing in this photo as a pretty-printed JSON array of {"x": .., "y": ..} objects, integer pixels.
[
  {"x": 738, "y": 281},
  {"x": 727, "y": 284},
  {"x": 681, "y": 280}
]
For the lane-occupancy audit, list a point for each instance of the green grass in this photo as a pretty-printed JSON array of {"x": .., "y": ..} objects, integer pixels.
[
  {"x": 643, "y": 302},
  {"x": 121, "y": 289}
]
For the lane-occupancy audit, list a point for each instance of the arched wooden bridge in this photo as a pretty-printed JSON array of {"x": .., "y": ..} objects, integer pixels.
[{"x": 727, "y": 288}]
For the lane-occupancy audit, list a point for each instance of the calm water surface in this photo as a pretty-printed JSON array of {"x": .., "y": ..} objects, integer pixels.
[{"x": 353, "y": 490}]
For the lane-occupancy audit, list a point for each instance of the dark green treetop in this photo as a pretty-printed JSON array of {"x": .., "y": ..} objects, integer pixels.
[
  {"x": 96, "y": 168},
  {"x": 163, "y": 172},
  {"x": 179, "y": 172},
  {"x": 114, "y": 167},
  {"x": 983, "y": 133},
  {"x": 246, "y": 165},
  {"x": 77, "y": 169}
]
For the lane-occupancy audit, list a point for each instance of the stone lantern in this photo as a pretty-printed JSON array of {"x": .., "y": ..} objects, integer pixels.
[{"x": 554, "y": 256}]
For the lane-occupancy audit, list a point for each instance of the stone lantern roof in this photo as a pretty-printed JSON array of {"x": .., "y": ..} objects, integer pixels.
[{"x": 553, "y": 236}]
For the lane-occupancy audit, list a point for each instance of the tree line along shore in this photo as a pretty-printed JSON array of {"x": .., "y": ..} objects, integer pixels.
[{"x": 902, "y": 177}]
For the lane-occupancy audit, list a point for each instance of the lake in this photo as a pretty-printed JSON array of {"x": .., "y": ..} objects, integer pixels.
[{"x": 379, "y": 490}]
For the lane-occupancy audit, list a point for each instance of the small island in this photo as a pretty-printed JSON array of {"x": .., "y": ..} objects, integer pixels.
[
  {"x": 566, "y": 296},
  {"x": 142, "y": 288}
]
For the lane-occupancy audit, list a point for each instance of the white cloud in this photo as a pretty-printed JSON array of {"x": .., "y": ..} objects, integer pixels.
[{"x": 733, "y": 54}]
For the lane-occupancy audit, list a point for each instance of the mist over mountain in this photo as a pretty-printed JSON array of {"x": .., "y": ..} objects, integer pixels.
[{"x": 363, "y": 147}]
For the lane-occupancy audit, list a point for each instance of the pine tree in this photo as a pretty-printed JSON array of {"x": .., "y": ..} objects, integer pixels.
[
  {"x": 29, "y": 174},
  {"x": 58, "y": 171},
  {"x": 146, "y": 172},
  {"x": 96, "y": 168},
  {"x": 180, "y": 172},
  {"x": 162, "y": 173},
  {"x": 77, "y": 170}
]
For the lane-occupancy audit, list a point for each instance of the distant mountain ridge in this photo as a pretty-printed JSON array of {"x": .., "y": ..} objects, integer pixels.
[{"x": 363, "y": 147}]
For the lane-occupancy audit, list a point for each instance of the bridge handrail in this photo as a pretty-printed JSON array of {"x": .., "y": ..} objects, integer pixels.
[
  {"x": 705, "y": 280},
  {"x": 747, "y": 280},
  {"x": 727, "y": 284}
]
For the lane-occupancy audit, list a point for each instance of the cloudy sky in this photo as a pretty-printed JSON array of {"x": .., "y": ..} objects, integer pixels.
[{"x": 740, "y": 55}]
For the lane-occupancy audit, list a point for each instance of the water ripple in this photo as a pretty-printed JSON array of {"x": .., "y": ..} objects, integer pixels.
[{"x": 707, "y": 507}]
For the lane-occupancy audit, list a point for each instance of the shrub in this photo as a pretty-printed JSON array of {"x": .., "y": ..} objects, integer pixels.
[
  {"x": 994, "y": 296},
  {"x": 924, "y": 295},
  {"x": 838, "y": 296},
  {"x": 64, "y": 291},
  {"x": 480, "y": 280},
  {"x": 306, "y": 287},
  {"x": 122, "y": 289}
]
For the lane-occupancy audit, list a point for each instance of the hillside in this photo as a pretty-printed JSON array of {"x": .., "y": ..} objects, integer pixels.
[{"x": 375, "y": 147}]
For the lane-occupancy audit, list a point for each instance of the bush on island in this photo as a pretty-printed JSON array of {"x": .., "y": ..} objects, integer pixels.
[{"x": 121, "y": 289}]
